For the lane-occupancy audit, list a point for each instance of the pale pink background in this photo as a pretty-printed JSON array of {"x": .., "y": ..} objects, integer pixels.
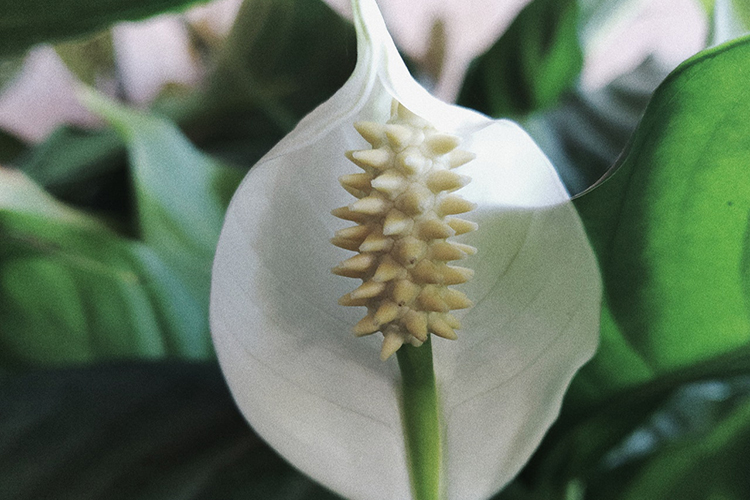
[{"x": 42, "y": 97}]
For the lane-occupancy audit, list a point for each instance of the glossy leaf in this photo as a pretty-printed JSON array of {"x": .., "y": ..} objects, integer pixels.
[
  {"x": 73, "y": 291},
  {"x": 532, "y": 64},
  {"x": 594, "y": 445},
  {"x": 674, "y": 258},
  {"x": 669, "y": 227}
]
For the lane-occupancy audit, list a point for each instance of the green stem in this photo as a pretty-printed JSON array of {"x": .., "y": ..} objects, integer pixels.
[{"x": 420, "y": 417}]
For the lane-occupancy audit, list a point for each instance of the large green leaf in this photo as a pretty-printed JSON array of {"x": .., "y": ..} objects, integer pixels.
[
  {"x": 181, "y": 194},
  {"x": 23, "y": 24},
  {"x": 670, "y": 227},
  {"x": 137, "y": 431},
  {"x": 73, "y": 291},
  {"x": 531, "y": 65}
]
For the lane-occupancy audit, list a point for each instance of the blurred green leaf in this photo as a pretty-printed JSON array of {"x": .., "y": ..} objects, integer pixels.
[
  {"x": 10, "y": 67},
  {"x": 283, "y": 58},
  {"x": 726, "y": 22},
  {"x": 90, "y": 58},
  {"x": 670, "y": 226},
  {"x": 11, "y": 147},
  {"x": 73, "y": 291},
  {"x": 76, "y": 165},
  {"x": 275, "y": 68},
  {"x": 743, "y": 9},
  {"x": 138, "y": 431},
  {"x": 23, "y": 24},
  {"x": 691, "y": 469},
  {"x": 532, "y": 64},
  {"x": 181, "y": 194},
  {"x": 586, "y": 132},
  {"x": 579, "y": 442}
]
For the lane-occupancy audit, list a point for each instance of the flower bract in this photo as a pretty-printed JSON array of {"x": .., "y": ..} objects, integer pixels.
[{"x": 320, "y": 395}]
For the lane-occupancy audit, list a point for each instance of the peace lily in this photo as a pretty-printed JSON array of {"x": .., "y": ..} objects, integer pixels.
[{"x": 321, "y": 395}]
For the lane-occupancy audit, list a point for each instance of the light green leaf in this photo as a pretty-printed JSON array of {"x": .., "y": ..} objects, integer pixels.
[
  {"x": 90, "y": 58},
  {"x": 181, "y": 194},
  {"x": 73, "y": 291},
  {"x": 534, "y": 62},
  {"x": 23, "y": 24},
  {"x": 670, "y": 227},
  {"x": 742, "y": 7}
]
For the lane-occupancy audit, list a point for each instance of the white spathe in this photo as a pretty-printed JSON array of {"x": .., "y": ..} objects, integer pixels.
[{"x": 321, "y": 397}]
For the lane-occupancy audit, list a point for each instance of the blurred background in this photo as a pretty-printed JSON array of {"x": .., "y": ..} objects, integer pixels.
[{"x": 110, "y": 210}]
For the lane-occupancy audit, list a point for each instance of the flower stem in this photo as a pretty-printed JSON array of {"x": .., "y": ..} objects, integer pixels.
[{"x": 420, "y": 418}]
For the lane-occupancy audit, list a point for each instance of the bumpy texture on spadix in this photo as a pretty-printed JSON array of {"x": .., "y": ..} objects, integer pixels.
[
  {"x": 320, "y": 396},
  {"x": 403, "y": 230}
]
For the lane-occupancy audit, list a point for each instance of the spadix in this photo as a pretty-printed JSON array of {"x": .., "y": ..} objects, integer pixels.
[
  {"x": 501, "y": 262},
  {"x": 405, "y": 241}
]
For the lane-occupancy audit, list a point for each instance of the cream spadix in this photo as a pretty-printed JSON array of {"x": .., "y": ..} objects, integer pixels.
[
  {"x": 403, "y": 244},
  {"x": 320, "y": 395}
]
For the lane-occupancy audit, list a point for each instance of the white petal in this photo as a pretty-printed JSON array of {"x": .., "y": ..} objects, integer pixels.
[
  {"x": 535, "y": 320},
  {"x": 323, "y": 398}
]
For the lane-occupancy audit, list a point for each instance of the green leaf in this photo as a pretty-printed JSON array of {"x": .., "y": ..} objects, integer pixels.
[
  {"x": 181, "y": 194},
  {"x": 535, "y": 61},
  {"x": 136, "y": 431},
  {"x": 283, "y": 58},
  {"x": 73, "y": 291},
  {"x": 274, "y": 69},
  {"x": 586, "y": 438},
  {"x": 670, "y": 227},
  {"x": 10, "y": 68},
  {"x": 714, "y": 466},
  {"x": 23, "y": 24},
  {"x": 74, "y": 164},
  {"x": 743, "y": 10}
]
